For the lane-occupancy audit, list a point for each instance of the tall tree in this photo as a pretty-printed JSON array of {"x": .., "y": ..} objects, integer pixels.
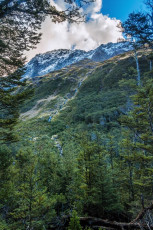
[
  {"x": 140, "y": 124},
  {"x": 31, "y": 207},
  {"x": 99, "y": 194},
  {"x": 149, "y": 4},
  {"x": 19, "y": 32},
  {"x": 139, "y": 28}
]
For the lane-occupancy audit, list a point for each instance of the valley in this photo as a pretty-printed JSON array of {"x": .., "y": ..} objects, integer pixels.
[
  {"x": 76, "y": 120},
  {"x": 75, "y": 113}
]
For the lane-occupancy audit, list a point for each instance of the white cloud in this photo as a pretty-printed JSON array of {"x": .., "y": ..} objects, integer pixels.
[
  {"x": 98, "y": 30},
  {"x": 95, "y": 7}
]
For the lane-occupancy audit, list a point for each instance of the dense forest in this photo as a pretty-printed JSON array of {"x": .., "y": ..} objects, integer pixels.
[{"x": 76, "y": 145}]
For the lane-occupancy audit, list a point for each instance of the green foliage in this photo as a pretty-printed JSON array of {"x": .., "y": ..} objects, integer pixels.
[
  {"x": 31, "y": 200},
  {"x": 12, "y": 46},
  {"x": 99, "y": 194},
  {"x": 138, "y": 26},
  {"x": 74, "y": 222},
  {"x": 4, "y": 225},
  {"x": 6, "y": 161},
  {"x": 105, "y": 133},
  {"x": 136, "y": 145}
]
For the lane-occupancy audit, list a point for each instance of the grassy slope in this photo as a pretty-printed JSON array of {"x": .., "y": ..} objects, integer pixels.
[{"x": 95, "y": 107}]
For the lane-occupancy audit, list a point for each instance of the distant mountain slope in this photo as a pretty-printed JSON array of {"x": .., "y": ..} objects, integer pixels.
[
  {"x": 85, "y": 97},
  {"x": 54, "y": 91},
  {"x": 48, "y": 62}
]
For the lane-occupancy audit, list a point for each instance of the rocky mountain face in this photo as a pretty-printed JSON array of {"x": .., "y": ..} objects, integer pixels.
[{"x": 48, "y": 62}]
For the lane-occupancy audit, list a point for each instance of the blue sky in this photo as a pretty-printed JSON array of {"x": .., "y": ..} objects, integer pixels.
[
  {"x": 121, "y": 8},
  {"x": 100, "y": 28}
]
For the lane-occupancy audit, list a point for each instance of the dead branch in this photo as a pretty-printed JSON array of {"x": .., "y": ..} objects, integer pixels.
[{"x": 142, "y": 214}]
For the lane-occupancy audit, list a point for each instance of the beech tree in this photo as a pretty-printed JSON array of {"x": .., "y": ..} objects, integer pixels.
[
  {"x": 139, "y": 25},
  {"x": 139, "y": 29}
]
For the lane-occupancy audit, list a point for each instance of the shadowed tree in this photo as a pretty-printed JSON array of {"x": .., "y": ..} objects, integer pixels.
[{"x": 138, "y": 147}]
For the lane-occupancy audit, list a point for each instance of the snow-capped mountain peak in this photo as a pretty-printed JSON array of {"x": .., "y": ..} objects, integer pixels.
[{"x": 45, "y": 63}]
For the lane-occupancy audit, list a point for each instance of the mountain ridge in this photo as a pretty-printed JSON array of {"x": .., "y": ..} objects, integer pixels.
[{"x": 53, "y": 60}]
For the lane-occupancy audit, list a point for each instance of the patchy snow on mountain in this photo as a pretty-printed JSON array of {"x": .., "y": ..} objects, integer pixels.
[{"x": 45, "y": 63}]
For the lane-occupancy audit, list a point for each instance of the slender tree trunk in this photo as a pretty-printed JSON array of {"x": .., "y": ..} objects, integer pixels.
[
  {"x": 131, "y": 194},
  {"x": 138, "y": 68},
  {"x": 150, "y": 65},
  {"x": 30, "y": 204}
]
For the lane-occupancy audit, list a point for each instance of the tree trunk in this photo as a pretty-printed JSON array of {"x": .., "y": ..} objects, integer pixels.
[
  {"x": 150, "y": 65},
  {"x": 138, "y": 68}
]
